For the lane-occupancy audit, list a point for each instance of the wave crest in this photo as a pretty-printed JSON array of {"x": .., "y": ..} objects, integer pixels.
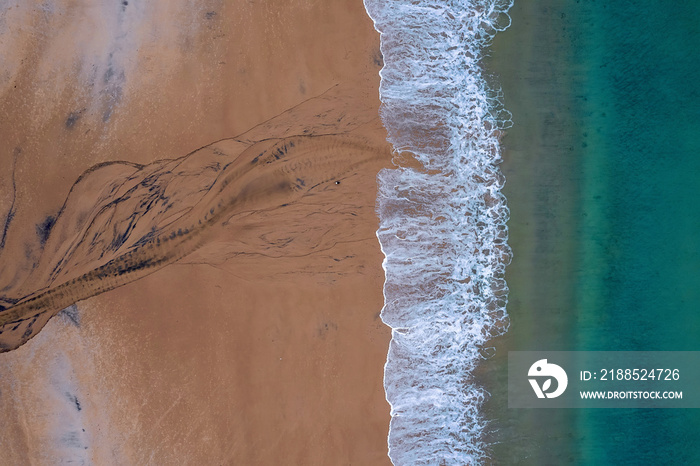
[{"x": 442, "y": 225}]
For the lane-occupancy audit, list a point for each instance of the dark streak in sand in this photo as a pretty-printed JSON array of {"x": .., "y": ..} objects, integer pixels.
[
  {"x": 72, "y": 440},
  {"x": 11, "y": 212},
  {"x": 43, "y": 230},
  {"x": 71, "y": 314},
  {"x": 74, "y": 399},
  {"x": 378, "y": 58},
  {"x": 239, "y": 185},
  {"x": 73, "y": 117}
]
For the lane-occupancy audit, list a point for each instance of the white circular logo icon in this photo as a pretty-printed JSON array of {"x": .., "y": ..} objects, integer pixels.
[{"x": 542, "y": 370}]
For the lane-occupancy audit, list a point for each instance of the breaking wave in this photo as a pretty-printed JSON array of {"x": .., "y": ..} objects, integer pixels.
[{"x": 442, "y": 222}]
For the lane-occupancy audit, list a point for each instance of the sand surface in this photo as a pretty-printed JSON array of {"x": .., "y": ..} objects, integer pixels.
[{"x": 226, "y": 269}]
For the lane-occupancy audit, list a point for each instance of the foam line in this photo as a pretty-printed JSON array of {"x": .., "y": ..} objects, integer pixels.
[{"x": 442, "y": 223}]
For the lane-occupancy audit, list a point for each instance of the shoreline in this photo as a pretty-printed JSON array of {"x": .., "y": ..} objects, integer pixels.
[{"x": 442, "y": 224}]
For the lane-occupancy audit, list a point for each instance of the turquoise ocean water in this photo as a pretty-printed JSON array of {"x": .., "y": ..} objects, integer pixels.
[{"x": 603, "y": 175}]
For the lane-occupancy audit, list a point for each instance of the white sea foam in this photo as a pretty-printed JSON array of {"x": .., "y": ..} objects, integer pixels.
[{"x": 443, "y": 226}]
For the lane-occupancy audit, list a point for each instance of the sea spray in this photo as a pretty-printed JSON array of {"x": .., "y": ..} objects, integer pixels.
[{"x": 442, "y": 222}]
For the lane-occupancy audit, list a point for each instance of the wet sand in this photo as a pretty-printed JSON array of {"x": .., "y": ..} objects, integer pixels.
[{"x": 261, "y": 343}]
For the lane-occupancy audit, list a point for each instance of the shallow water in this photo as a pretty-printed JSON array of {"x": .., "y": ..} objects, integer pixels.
[{"x": 602, "y": 167}]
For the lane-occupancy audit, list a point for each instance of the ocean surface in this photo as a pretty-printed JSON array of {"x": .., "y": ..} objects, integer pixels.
[{"x": 602, "y": 163}]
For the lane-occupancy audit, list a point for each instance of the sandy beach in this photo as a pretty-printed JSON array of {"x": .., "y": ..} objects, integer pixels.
[{"x": 263, "y": 345}]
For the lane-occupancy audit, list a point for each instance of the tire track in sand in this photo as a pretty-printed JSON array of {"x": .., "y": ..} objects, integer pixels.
[{"x": 266, "y": 175}]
